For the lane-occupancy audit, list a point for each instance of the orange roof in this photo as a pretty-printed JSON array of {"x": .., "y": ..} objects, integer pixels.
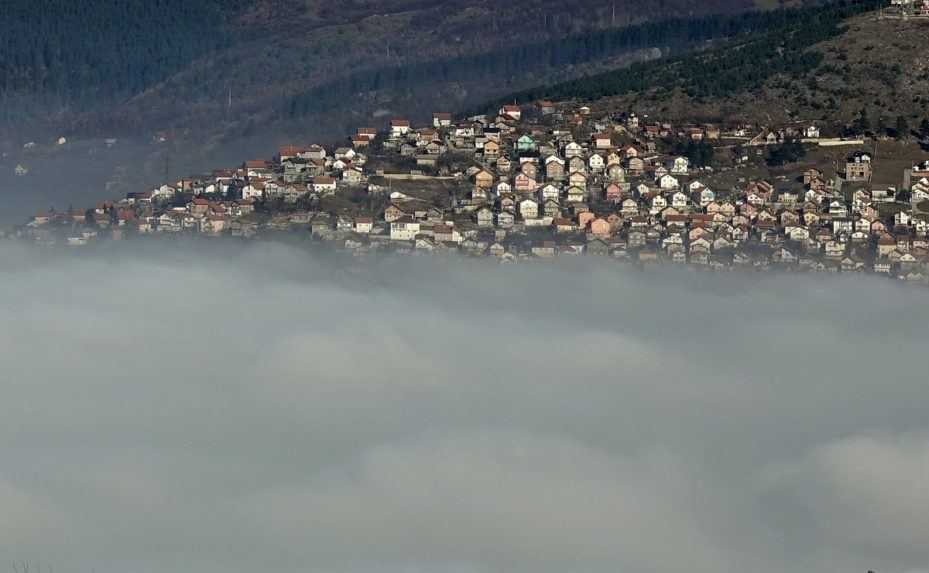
[{"x": 290, "y": 150}]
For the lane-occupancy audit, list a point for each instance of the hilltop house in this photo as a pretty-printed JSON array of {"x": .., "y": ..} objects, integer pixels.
[
  {"x": 441, "y": 120},
  {"x": 399, "y": 127},
  {"x": 858, "y": 167}
]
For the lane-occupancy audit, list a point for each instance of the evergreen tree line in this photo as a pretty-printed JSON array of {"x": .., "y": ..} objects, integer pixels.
[
  {"x": 790, "y": 151},
  {"x": 676, "y": 35},
  {"x": 778, "y": 45},
  {"x": 81, "y": 52}
]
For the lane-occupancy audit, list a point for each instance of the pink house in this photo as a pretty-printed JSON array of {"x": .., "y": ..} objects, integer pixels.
[
  {"x": 524, "y": 184},
  {"x": 584, "y": 218},
  {"x": 614, "y": 193},
  {"x": 600, "y": 227}
]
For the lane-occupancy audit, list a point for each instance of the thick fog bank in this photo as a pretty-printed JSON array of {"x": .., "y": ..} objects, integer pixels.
[{"x": 223, "y": 411}]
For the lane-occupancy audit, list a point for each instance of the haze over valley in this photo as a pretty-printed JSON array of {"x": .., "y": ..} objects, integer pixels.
[
  {"x": 229, "y": 409},
  {"x": 464, "y": 286}
]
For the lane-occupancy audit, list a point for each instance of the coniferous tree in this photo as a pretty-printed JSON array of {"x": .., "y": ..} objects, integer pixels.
[
  {"x": 862, "y": 122},
  {"x": 902, "y": 128}
]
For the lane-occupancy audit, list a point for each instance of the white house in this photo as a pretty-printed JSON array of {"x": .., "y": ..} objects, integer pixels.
[
  {"x": 576, "y": 194},
  {"x": 680, "y": 166},
  {"x": 658, "y": 204},
  {"x": 679, "y": 200},
  {"x": 404, "y": 229},
  {"x": 505, "y": 219},
  {"x": 529, "y": 209},
  {"x": 324, "y": 185},
  {"x": 399, "y": 127},
  {"x": 707, "y": 196},
  {"x": 573, "y": 149},
  {"x": 441, "y": 119},
  {"x": 550, "y": 192},
  {"x": 485, "y": 217},
  {"x": 364, "y": 225},
  {"x": 919, "y": 192},
  {"x": 163, "y": 192},
  {"x": 668, "y": 182},
  {"x": 253, "y": 191},
  {"x": 345, "y": 154}
]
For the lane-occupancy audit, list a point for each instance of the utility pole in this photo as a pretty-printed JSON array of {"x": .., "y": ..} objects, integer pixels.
[{"x": 613, "y": 16}]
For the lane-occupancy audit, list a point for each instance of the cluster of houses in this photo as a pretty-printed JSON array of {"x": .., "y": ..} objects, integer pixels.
[
  {"x": 919, "y": 8},
  {"x": 541, "y": 181}
]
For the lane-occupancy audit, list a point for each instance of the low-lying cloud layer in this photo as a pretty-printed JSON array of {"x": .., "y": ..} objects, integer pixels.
[{"x": 222, "y": 411}]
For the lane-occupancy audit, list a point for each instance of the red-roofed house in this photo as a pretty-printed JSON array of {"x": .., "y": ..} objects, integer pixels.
[
  {"x": 289, "y": 152},
  {"x": 324, "y": 184},
  {"x": 441, "y": 119},
  {"x": 513, "y": 112},
  {"x": 399, "y": 127}
]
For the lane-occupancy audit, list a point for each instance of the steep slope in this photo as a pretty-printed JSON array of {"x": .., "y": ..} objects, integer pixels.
[
  {"x": 205, "y": 65},
  {"x": 843, "y": 66},
  {"x": 79, "y": 54}
]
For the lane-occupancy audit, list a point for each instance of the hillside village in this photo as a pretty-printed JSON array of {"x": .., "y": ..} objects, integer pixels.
[{"x": 548, "y": 180}]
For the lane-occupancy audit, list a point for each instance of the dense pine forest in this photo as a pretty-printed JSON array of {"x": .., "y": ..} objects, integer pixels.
[
  {"x": 116, "y": 67},
  {"x": 767, "y": 44},
  {"x": 112, "y": 65},
  {"x": 674, "y": 36},
  {"x": 77, "y": 51}
]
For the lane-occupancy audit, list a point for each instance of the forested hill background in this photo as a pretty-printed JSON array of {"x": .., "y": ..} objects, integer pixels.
[
  {"x": 841, "y": 65},
  {"x": 234, "y": 67},
  {"x": 82, "y": 53},
  {"x": 225, "y": 80}
]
